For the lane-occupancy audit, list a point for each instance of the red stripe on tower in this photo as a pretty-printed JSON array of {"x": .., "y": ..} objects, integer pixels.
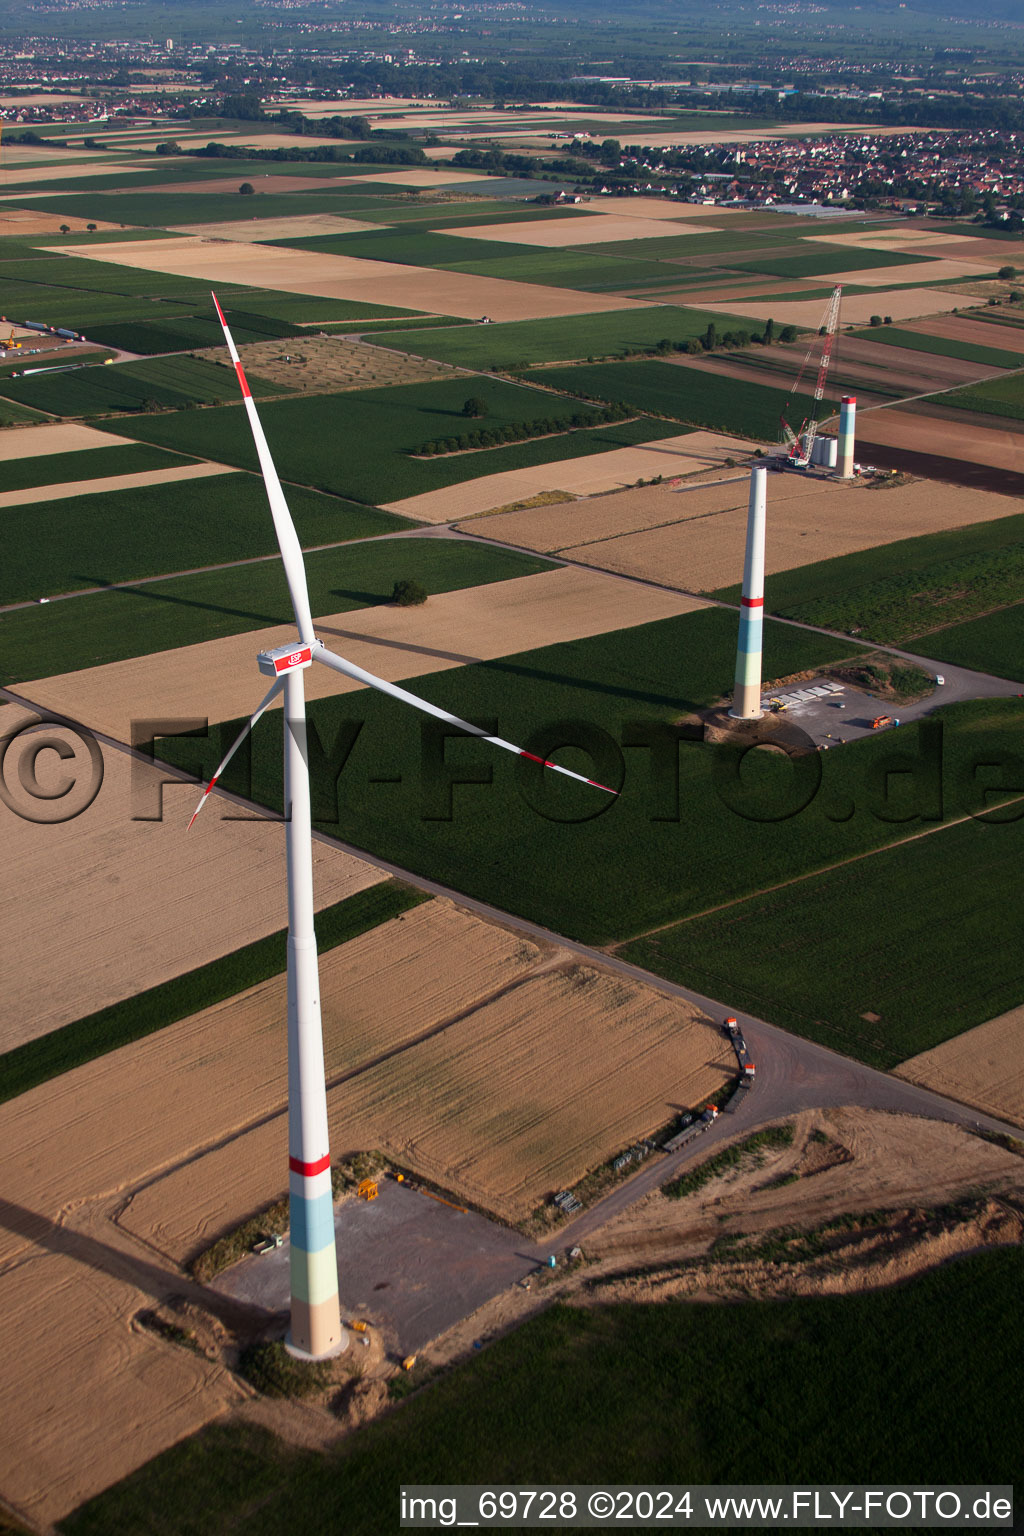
[
  {"x": 308, "y": 1170},
  {"x": 752, "y": 602}
]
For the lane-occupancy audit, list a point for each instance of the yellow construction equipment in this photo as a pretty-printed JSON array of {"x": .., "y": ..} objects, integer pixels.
[
  {"x": 368, "y": 1189},
  {"x": 8, "y": 343}
]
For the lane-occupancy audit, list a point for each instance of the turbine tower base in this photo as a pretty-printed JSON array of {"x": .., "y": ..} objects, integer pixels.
[{"x": 304, "y": 1354}]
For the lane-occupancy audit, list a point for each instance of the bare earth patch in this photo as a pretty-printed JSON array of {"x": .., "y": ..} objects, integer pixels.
[
  {"x": 694, "y": 539},
  {"x": 867, "y": 1160},
  {"x": 334, "y": 362},
  {"x": 350, "y": 277},
  {"x": 914, "y": 430},
  {"x": 914, "y": 272},
  {"x": 984, "y": 1067},
  {"x": 111, "y": 483},
  {"x": 217, "y": 680},
  {"x": 964, "y": 328},
  {"x": 104, "y": 906},
  {"x": 589, "y": 475}
]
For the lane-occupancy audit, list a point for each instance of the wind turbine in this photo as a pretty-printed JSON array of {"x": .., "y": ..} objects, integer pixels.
[{"x": 316, "y": 1332}]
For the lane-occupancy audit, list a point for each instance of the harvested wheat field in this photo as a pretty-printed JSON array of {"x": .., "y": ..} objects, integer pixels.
[
  {"x": 937, "y": 271},
  {"x": 982, "y": 1068},
  {"x": 962, "y": 439},
  {"x": 333, "y": 362},
  {"x": 846, "y": 1160},
  {"x": 87, "y": 1396},
  {"x": 588, "y": 1063},
  {"x": 694, "y": 539},
  {"x": 53, "y": 168},
  {"x": 903, "y": 304},
  {"x": 53, "y": 437},
  {"x": 25, "y": 221},
  {"x": 213, "y": 680},
  {"x": 1004, "y": 338},
  {"x": 578, "y": 231},
  {"x": 296, "y": 227},
  {"x": 121, "y": 898},
  {"x": 111, "y": 483},
  {"x": 590, "y": 475},
  {"x": 425, "y": 176},
  {"x": 350, "y": 277}
]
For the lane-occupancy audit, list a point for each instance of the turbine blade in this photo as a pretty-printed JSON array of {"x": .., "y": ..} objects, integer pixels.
[
  {"x": 287, "y": 538},
  {"x": 349, "y": 669},
  {"x": 275, "y": 690}
]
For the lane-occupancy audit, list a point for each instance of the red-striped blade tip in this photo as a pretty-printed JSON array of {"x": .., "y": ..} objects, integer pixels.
[
  {"x": 206, "y": 796},
  {"x": 547, "y": 763},
  {"x": 220, "y": 312}
]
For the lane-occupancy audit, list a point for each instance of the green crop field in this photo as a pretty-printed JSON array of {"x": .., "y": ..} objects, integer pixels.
[
  {"x": 692, "y": 240},
  {"x": 997, "y": 397},
  {"x": 840, "y": 258},
  {"x": 12, "y": 415},
  {"x": 566, "y": 269},
  {"x": 994, "y": 643},
  {"x": 359, "y": 444},
  {"x": 87, "y": 541},
  {"x": 921, "y": 935},
  {"x": 171, "y": 210},
  {"x": 414, "y": 247},
  {"x": 856, "y": 1389},
  {"x": 919, "y": 341},
  {"x": 687, "y": 394},
  {"x": 909, "y": 588},
  {"x": 100, "y": 390},
  {"x": 518, "y": 343},
  {"x": 103, "y": 627},
  {"x": 671, "y": 857},
  {"x": 87, "y": 464},
  {"x": 203, "y": 330}
]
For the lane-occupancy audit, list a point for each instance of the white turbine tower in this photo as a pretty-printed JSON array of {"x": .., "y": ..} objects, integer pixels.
[{"x": 316, "y": 1330}]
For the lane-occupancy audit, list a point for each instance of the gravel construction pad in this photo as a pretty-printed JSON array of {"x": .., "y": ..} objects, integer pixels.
[{"x": 406, "y": 1263}]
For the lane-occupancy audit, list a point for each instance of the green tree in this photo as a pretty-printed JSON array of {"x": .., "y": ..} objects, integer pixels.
[
  {"x": 247, "y": 189},
  {"x": 474, "y": 406},
  {"x": 1007, "y": 274},
  {"x": 408, "y": 593},
  {"x": 875, "y": 320},
  {"x": 769, "y": 332},
  {"x": 710, "y": 337}
]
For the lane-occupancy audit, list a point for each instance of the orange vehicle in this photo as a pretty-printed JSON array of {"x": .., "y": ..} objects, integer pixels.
[{"x": 881, "y": 720}]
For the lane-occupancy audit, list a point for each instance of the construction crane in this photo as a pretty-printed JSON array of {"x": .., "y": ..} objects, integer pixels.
[
  {"x": 8, "y": 343},
  {"x": 801, "y": 443}
]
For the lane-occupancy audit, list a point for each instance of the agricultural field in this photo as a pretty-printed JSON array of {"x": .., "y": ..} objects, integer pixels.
[
  {"x": 328, "y": 363},
  {"x": 609, "y": 681},
  {"x": 684, "y": 394},
  {"x": 912, "y": 587},
  {"x": 127, "y": 918},
  {"x": 943, "y": 346},
  {"x": 996, "y": 397},
  {"x": 946, "y": 899},
  {"x": 181, "y": 611},
  {"x": 363, "y": 448},
  {"x": 815, "y": 263},
  {"x": 487, "y": 620},
  {"x": 800, "y": 1375},
  {"x": 203, "y": 330},
  {"x": 172, "y": 210},
  {"x": 993, "y": 643},
  {"x": 94, "y": 540},
  {"x": 165, "y": 382},
  {"x": 520, "y": 343},
  {"x": 978, "y": 1068}
]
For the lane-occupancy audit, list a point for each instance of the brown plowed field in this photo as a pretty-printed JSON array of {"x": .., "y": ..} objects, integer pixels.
[
  {"x": 295, "y": 228},
  {"x": 938, "y": 271},
  {"x": 906, "y": 429},
  {"x": 984, "y": 1067},
  {"x": 858, "y": 366},
  {"x": 217, "y": 681},
  {"x": 964, "y": 328},
  {"x": 695, "y": 539},
  {"x": 349, "y": 277},
  {"x": 589, "y": 475},
  {"x": 102, "y": 907}
]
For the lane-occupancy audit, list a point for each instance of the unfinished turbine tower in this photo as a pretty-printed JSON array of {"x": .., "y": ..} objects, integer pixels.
[
  {"x": 316, "y": 1332},
  {"x": 746, "y": 699}
]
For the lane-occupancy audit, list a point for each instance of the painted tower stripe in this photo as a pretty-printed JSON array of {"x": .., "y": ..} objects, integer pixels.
[{"x": 309, "y": 1169}]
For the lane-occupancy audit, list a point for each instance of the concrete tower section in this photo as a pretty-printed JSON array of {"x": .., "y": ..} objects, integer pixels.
[
  {"x": 847, "y": 435},
  {"x": 746, "y": 699}
]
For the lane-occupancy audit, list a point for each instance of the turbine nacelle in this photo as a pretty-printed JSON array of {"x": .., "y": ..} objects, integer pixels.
[{"x": 284, "y": 658}]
